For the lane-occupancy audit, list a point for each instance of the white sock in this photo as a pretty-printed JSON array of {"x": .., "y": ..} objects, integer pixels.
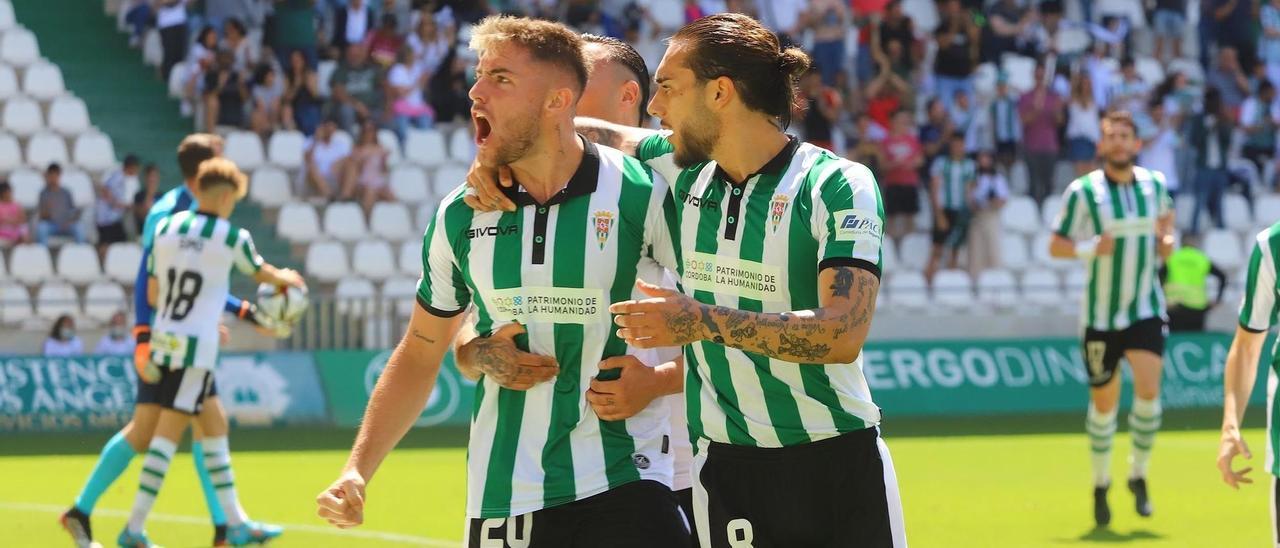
[
  {"x": 217, "y": 459},
  {"x": 1101, "y": 427},
  {"x": 1144, "y": 422},
  {"x": 155, "y": 465}
]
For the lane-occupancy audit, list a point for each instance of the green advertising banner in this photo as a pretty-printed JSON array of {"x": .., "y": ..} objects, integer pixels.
[{"x": 349, "y": 376}]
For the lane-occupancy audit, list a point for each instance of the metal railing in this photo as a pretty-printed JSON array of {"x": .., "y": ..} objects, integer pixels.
[{"x": 351, "y": 323}]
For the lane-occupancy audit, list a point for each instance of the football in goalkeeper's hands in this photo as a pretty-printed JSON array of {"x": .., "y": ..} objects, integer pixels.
[{"x": 281, "y": 306}]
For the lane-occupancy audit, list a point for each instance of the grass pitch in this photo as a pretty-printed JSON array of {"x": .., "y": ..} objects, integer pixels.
[{"x": 1017, "y": 482}]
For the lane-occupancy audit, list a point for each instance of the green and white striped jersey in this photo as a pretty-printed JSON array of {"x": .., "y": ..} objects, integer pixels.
[
  {"x": 191, "y": 258},
  {"x": 1258, "y": 312},
  {"x": 956, "y": 176},
  {"x": 1122, "y": 287},
  {"x": 555, "y": 268},
  {"x": 759, "y": 246}
]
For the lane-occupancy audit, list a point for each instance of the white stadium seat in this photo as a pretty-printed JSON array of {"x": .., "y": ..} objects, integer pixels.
[
  {"x": 26, "y": 187},
  {"x": 997, "y": 288},
  {"x": 69, "y": 116},
  {"x": 269, "y": 186},
  {"x": 391, "y": 142},
  {"x": 22, "y": 116},
  {"x": 298, "y": 222},
  {"x": 1040, "y": 252},
  {"x": 245, "y": 149},
  {"x": 78, "y": 264},
  {"x": 400, "y": 292},
  {"x": 373, "y": 259},
  {"x": 343, "y": 140},
  {"x": 888, "y": 256},
  {"x": 390, "y": 220},
  {"x": 908, "y": 291},
  {"x": 15, "y": 304},
  {"x": 1189, "y": 67},
  {"x": 103, "y": 299},
  {"x": 425, "y": 147},
  {"x": 1224, "y": 248},
  {"x": 345, "y": 221},
  {"x": 355, "y": 296},
  {"x": 952, "y": 289},
  {"x": 411, "y": 257},
  {"x": 122, "y": 262},
  {"x": 178, "y": 77},
  {"x": 8, "y": 82},
  {"x": 43, "y": 81},
  {"x": 1267, "y": 212},
  {"x": 10, "y": 153},
  {"x": 327, "y": 261},
  {"x": 1074, "y": 282},
  {"x": 409, "y": 184},
  {"x": 447, "y": 178},
  {"x": 462, "y": 145},
  {"x": 324, "y": 73},
  {"x": 914, "y": 251},
  {"x": 1049, "y": 211},
  {"x": 1183, "y": 208},
  {"x": 80, "y": 186},
  {"x": 18, "y": 47},
  {"x": 1150, "y": 71},
  {"x": 152, "y": 48},
  {"x": 1021, "y": 215},
  {"x": 285, "y": 149},
  {"x": 923, "y": 13},
  {"x": 1236, "y": 214},
  {"x": 46, "y": 147},
  {"x": 1042, "y": 287},
  {"x": 7, "y": 19},
  {"x": 426, "y": 212},
  {"x": 1013, "y": 251},
  {"x": 94, "y": 152},
  {"x": 56, "y": 298}
]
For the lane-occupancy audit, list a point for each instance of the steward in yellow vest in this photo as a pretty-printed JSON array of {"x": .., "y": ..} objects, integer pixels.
[{"x": 1185, "y": 275}]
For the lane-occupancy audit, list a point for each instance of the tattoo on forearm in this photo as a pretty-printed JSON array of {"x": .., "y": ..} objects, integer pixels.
[
  {"x": 843, "y": 282},
  {"x": 601, "y": 135},
  {"x": 801, "y": 347},
  {"x": 712, "y": 329},
  {"x": 418, "y": 335},
  {"x": 683, "y": 323}
]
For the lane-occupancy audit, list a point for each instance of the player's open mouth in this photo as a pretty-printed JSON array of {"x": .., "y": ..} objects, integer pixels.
[{"x": 482, "y": 126}]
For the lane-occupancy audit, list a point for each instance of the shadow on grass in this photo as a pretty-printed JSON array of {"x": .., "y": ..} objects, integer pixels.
[
  {"x": 306, "y": 438},
  {"x": 1111, "y": 536}
]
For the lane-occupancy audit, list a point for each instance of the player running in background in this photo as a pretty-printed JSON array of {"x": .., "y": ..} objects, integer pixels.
[
  {"x": 134, "y": 438},
  {"x": 1119, "y": 221},
  {"x": 189, "y": 272},
  {"x": 618, "y": 92},
  {"x": 1258, "y": 312},
  {"x": 779, "y": 246},
  {"x": 543, "y": 470}
]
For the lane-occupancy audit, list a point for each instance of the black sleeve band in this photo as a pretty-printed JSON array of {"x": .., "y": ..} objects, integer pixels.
[
  {"x": 851, "y": 262},
  {"x": 436, "y": 311},
  {"x": 1250, "y": 329}
]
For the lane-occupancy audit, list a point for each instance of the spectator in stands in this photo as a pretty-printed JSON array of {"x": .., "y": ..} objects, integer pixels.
[
  {"x": 1129, "y": 92},
  {"x": 403, "y": 12},
  {"x": 200, "y": 59},
  {"x": 267, "y": 95},
  {"x": 13, "y": 220},
  {"x": 62, "y": 341},
  {"x": 934, "y": 133},
  {"x": 302, "y": 94},
  {"x": 237, "y": 42},
  {"x": 249, "y": 13},
  {"x": 356, "y": 90},
  {"x": 138, "y": 16},
  {"x": 903, "y": 157},
  {"x": 897, "y": 28},
  {"x": 58, "y": 214},
  {"x": 957, "y": 56},
  {"x": 865, "y": 146},
  {"x": 952, "y": 179},
  {"x": 1260, "y": 119},
  {"x": 1008, "y": 22},
  {"x": 366, "y": 170},
  {"x": 112, "y": 203},
  {"x": 1083, "y": 125},
  {"x": 1006, "y": 129},
  {"x": 1169, "y": 22},
  {"x": 1228, "y": 24},
  {"x": 1230, "y": 79},
  {"x": 1184, "y": 276},
  {"x": 385, "y": 43},
  {"x": 146, "y": 196},
  {"x": 1210, "y": 135},
  {"x": 820, "y": 108},
  {"x": 351, "y": 24},
  {"x": 829, "y": 20},
  {"x": 1160, "y": 148},
  {"x": 783, "y": 17},
  {"x": 405, "y": 83},
  {"x": 963, "y": 117},
  {"x": 225, "y": 95},
  {"x": 430, "y": 44},
  {"x": 1041, "y": 111},
  {"x": 989, "y": 196},
  {"x": 324, "y": 160},
  {"x": 293, "y": 29},
  {"x": 117, "y": 341},
  {"x": 171, "y": 21},
  {"x": 887, "y": 93},
  {"x": 1269, "y": 41}
]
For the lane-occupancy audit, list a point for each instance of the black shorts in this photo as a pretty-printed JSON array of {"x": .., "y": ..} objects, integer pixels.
[
  {"x": 150, "y": 392},
  {"x": 640, "y": 514},
  {"x": 836, "y": 492},
  {"x": 901, "y": 200},
  {"x": 957, "y": 229},
  {"x": 1006, "y": 149},
  {"x": 184, "y": 390},
  {"x": 112, "y": 233},
  {"x": 1103, "y": 349},
  {"x": 684, "y": 498}
]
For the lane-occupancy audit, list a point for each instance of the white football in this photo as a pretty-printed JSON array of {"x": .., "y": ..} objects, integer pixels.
[{"x": 283, "y": 305}]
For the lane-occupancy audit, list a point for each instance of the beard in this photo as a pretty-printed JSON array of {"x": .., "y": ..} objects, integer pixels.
[
  {"x": 698, "y": 139},
  {"x": 516, "y": 145},
  {"x": 1120, "y": 163}
]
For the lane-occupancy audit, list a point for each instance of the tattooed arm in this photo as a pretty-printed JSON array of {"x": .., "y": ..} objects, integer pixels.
[
  {"x": 624, "y": 138},
  {"x": 832, "y": 333},
  {"x": 498, "y": 357}
]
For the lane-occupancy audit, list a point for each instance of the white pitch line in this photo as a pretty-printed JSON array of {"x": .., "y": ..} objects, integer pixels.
[{"x": 192, "y": 520}]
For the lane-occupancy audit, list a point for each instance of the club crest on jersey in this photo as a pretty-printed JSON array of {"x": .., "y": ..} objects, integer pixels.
[
  {"x": 604, "y": 223},
  {"x": 777, "y": 208}
]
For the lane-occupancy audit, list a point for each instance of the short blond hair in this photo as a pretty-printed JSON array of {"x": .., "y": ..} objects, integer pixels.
[
  {"x": 546, "y": 41},
  {"x": 219, "y": 172}
]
